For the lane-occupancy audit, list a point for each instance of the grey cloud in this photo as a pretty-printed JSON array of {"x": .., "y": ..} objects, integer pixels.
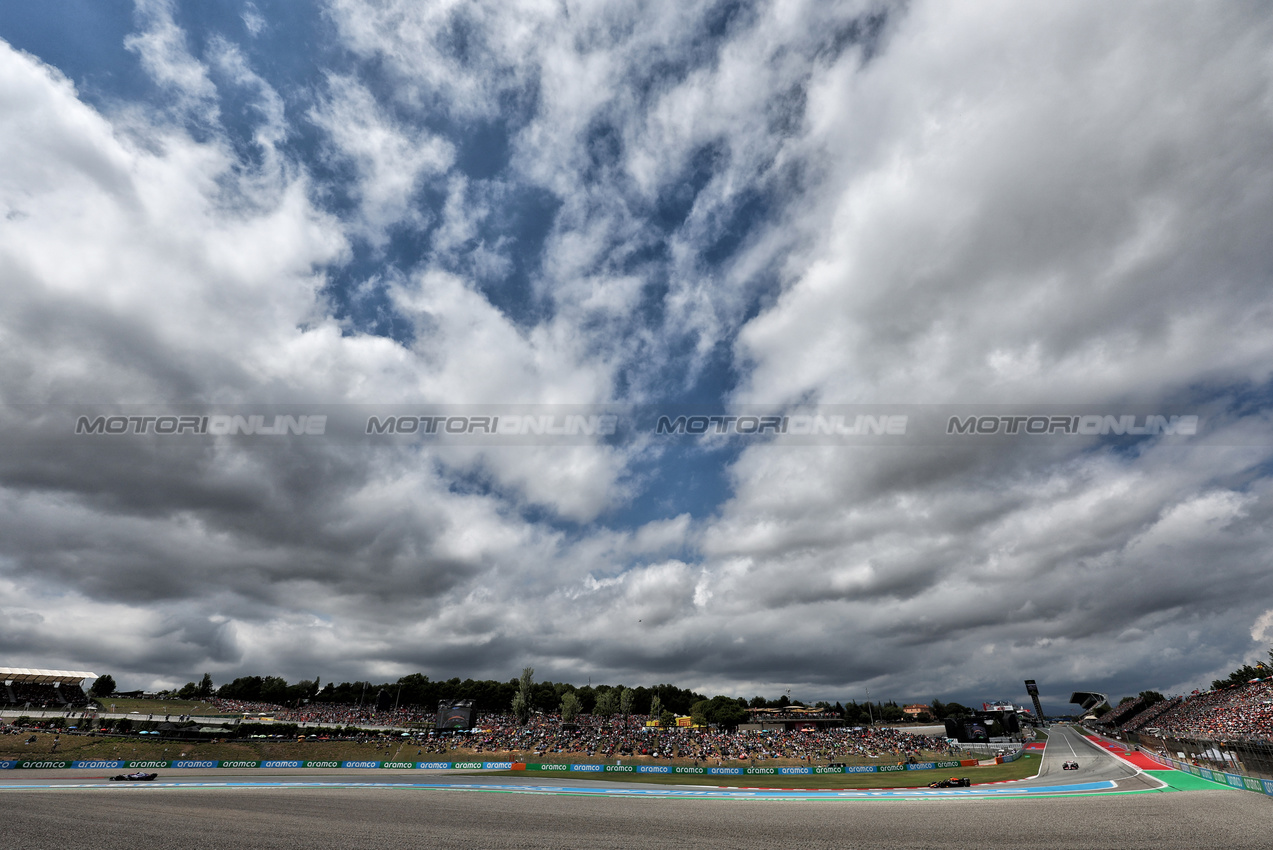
[{"x": 950, "y": 209}]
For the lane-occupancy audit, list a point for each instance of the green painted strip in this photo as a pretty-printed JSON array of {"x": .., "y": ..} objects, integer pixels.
[{"x": 1181, "y": 781}]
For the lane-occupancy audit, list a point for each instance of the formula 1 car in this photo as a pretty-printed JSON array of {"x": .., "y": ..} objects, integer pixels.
[
  {"x": 134, "y": 777},
  {"x": 1070, "y": 765},
  {"x": 952, "y": 782}
]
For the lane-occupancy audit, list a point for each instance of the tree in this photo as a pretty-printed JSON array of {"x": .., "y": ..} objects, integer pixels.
[
  {"x": 607, "y": 703},
  {"x": 625, "y": 703},
  {"x": 205, "y": 686},
  {"x": 570, "y": 707},
  {"x": 722, "y": 711},
  {"x": 522, "y": 700},
  {"x": 656, "y": 708},
  {"x": 274, "y": 690},
  {"x": 103, "y": 687},
  {"x": 1246, "y": 673},
  {"x": 245, "y": 688},
  {"x": 667, "y": 719}
]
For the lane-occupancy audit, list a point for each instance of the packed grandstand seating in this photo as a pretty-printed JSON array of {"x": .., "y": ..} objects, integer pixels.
[
  {"x": 598, "y": 737},
  {"x": 1242, "y": 712},
  {"x": 595, "y": 736},
  {"x": 1122, "y": 712},
  {"x": 42, "y": 695},
  {"x": 328, "y": 714},
  {"x": 1237, "y": 712},
  {"x": 1146, "y": 718}
]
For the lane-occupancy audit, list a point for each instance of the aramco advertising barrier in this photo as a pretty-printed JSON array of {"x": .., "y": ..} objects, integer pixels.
[{"x": 188, "y": 764}]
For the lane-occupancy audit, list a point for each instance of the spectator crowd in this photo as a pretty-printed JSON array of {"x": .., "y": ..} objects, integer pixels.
[
  {"x": 1237, "y": 712},
  {"x": 1244, "y": 712},
  {"x": 546, "y": 736},
  {"x": 327, "y": 714}
]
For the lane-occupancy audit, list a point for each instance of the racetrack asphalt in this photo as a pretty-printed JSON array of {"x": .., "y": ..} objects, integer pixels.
[
  {"x": 236, "y": 818},
  {"x": 239, "y": 819}
]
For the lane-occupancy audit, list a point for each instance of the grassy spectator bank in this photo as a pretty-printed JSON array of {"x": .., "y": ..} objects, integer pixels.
[
  {"x": 84, "y": 748},
  {"x": 157, "y": 707},
  {"x": 135, "y": 748},
  {"x": 1022, "y": 768}
]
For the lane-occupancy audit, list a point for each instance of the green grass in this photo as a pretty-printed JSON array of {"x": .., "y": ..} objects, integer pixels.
[
  {"x": 160, "y": 707},
  {"x": 135, "y": 748},
  {"x": 1022, "y": 768}
]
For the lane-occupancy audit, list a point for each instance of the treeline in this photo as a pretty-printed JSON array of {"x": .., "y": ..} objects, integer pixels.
[
  {"x": 1246, "y": 673},
  {"x": 1240, "y": 676},
  {"x": 488, "y": 695},
  {"x": 418, "y": 690}
]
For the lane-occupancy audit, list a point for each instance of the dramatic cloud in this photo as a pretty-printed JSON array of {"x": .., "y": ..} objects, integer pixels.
[{"x": 538, "y": 211}]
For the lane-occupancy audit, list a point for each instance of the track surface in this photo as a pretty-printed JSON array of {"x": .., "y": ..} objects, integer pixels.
[{"x": 72, "y": 812}]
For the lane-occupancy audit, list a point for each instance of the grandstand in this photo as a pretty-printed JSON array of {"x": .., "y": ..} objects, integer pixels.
[
  {"x": 1122, "y": 712},
  {"x": 1241, "y": 712},
  {"x": 25, "y": 687},
  {"x": 791, "y": 718},
  {"x": 1088, "y": 702},
  {"x": 1226, "y": 728},
  {"x": 1145, "y": 719}
]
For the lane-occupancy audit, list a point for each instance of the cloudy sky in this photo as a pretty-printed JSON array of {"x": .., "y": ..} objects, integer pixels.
[{"x": 539, "y": 207}]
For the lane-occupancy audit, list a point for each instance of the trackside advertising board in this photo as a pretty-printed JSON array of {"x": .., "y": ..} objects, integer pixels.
[
  {"x": 278, "y": 764},
  {"x": 729, "y": 771}
]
